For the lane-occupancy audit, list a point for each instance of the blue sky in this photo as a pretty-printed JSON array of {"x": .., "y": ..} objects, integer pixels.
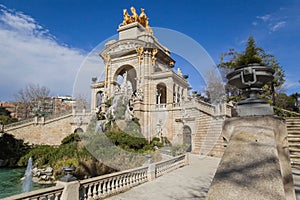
[{"x": 46, "y": 41}]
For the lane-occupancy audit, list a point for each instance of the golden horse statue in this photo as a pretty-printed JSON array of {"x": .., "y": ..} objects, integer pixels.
[
  {"x": 127, "y": 18},
  {"x": 142, "y": 18},
  {"x": 134, "y": 16}
]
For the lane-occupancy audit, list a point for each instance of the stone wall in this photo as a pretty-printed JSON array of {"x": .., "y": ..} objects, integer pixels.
[{"x": 49, "y": 132}]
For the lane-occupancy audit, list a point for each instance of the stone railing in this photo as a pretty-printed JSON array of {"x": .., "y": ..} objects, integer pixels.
[
  {"x": 22, "y": 122},
  {"x": 36, "y": 120},
  {"x": 285, "y": 113},
  {"x": 160, "y": 106},
  {"x": 106, "y": 185},
  {"x": 178, "y": 104},
  {"x": 111, "y": 184},
  {"x": 54, "y": 116},
  {"x": 54, "y": 193},
  {"x": 164, "y": 167}
]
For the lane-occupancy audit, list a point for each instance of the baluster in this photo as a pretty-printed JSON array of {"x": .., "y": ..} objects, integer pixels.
[
  {"x": 95, "y": 190},
  {"x": 118, "y": 183},
  {"x": 84, "y": 192},
  {"x": 57, "y": 196},
  {"x": 113, "y": 185},
  {"x": 109, "y": 186},
  {"x": 127, "y": 181},
  {"x": 42, "y": 197},
  {"x": 145, "y": 175},
  {"x": 132, "y": 180},
  {"x": 139, "y": 177},
  {"x": 104, "y": 188},
  {"x": 89, "y": 192},
  {"x": 136, "y": 178},
  {"x": 50, "y": 196},
  {"x": 100, "y": 189}
]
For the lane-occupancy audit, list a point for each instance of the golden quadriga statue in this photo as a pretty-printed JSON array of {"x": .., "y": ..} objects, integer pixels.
[{"x": 142, "y": 18}]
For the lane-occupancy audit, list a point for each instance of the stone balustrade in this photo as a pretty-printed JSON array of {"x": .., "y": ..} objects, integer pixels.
[
  {"x": 106, "y": 185},
  {"x": 164, "y": 167},
  {"x": 53, "y": 193},
  {"x": 20, "y": 123},
  {"x": 160, "y": 106},
  {"x": 36, "y": 120}
]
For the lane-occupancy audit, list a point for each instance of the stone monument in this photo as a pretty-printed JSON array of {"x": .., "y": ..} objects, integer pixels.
[
  {"x": 154, "y": 89},
  {"x": 256, "y": 162}
]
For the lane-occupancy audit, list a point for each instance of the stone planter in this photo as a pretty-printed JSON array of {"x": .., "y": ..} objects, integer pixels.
[{"x": 250, "y": 79}]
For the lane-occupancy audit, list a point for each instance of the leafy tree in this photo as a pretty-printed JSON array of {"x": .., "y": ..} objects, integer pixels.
[
  {"x": 252, "y": 54},
  {"x": 286, "y": 102},
  {"x": 12, "y": 149},
  {"x": 5, "y": 117},
  {"x": 4, "y": 111},
  {"x": 296, "y": 96}
]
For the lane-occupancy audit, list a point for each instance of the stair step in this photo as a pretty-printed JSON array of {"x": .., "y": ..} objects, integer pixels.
[
  {"x": 293, "y": 133},
  {"x": 293, "y": 128},
  {"x": 293, "y": 139},
  {"x": 294, "y": 150},
  {"x": 293, "y": 136},
  {"x": 294, "y": 145},
  {"x": 295, "y": 156}
]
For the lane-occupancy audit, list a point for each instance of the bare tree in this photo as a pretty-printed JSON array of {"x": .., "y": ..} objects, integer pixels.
[
  {"x": 80, "y": 103},
  {"x": 31, "y": 98},
  {"x": 215, "y": 86}
]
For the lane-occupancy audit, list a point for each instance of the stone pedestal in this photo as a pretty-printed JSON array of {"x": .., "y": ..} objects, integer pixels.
[
  {"x": 256, "y": 163},
  {"x": 256, "y": 109}
]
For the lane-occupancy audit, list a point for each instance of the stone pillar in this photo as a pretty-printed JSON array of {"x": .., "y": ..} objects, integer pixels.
[
  {"x": 93, "y": 100},
  {"x": 256, "y": 163},
  {"x": 187, "y": 159},
  {"x": 71, "y": 190},
  {"x": 151, "y": 172}
]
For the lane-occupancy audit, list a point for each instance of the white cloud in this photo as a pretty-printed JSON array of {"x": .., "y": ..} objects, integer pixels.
[
  {"x": 274, "y": 21},
  {"x": 29, "y": 54},
  {"x": 264, "y": 17},
  {"x": 278, "y": 26}
]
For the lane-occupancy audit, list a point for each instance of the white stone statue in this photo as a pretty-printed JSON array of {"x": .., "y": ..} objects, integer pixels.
[
  {"x": 139, "y": 94},
  {"x": 179, "y": 72}
]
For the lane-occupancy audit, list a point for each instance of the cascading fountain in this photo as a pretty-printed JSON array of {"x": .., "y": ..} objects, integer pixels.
[{"x": 27, "y": 181}]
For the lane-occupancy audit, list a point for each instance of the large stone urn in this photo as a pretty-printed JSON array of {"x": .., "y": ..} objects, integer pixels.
[{"x": 250, "y": 79}]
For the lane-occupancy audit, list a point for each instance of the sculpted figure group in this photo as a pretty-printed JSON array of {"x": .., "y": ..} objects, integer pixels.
[{"x": 142, "y": 19}]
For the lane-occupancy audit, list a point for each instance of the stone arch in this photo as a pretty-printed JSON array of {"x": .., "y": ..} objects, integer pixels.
[
  {"x": 161, "y": 93},
  {"x": 99, "y": 98},
  {"x": 78, "y": 130},
  {"x": 187, "y": 137},
  {"x": 131, "y": 75}
]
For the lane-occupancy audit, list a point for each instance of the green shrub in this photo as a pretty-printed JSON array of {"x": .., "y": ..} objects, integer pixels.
[
  {"x": 74, "y": 137},
  {"x": 12, "y": 148}
]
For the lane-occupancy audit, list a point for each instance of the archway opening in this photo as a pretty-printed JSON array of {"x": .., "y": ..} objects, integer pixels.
[
  {"x": 128, "y": 73},
  {"x": 161, "y": 93},
  {"x": 187, "y": 137},
  {"x": 78, "y": 130},
  {"x": 99, "y": 98}
]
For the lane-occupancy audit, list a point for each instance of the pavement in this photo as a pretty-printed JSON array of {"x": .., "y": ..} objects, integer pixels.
[{"x": 189, "y": 182}]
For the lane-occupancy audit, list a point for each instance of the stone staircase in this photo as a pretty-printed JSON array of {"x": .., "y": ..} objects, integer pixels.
[
  {"x": 210, "y": 141},
  {"x": 293, "y": 129}
]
